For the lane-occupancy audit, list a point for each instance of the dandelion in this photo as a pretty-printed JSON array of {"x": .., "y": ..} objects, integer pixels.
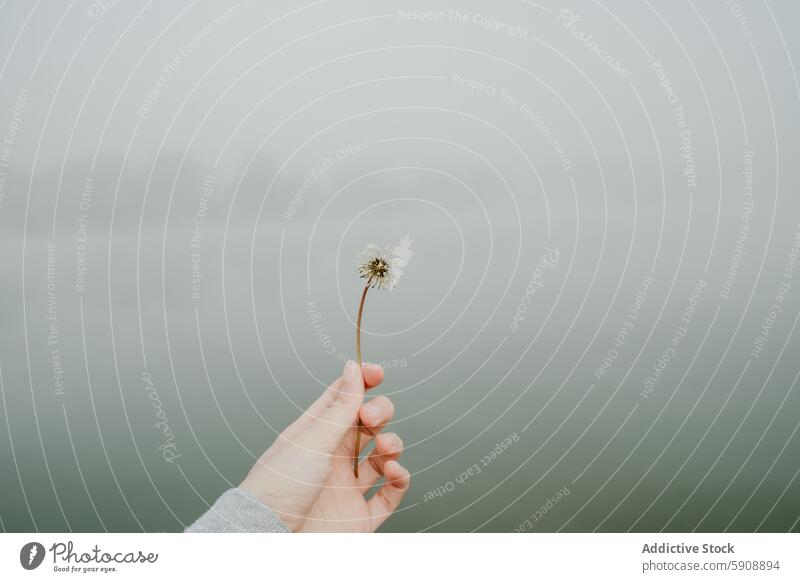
[{"x": 382, "y": 268}]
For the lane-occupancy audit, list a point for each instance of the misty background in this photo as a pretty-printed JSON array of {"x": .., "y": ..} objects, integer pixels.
[{"x": 597, "y": 330}]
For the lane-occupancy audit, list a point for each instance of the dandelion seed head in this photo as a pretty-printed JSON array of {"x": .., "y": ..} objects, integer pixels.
[{"x": 382, "y": 267}]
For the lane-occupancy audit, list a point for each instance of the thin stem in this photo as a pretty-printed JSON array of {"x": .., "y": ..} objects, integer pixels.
[
  {"x": 358, "y": 357},
  {"x": 358, "y": 322}
]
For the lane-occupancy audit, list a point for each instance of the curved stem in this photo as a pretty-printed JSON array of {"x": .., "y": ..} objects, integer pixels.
[
  {"x": 358, "y": 322},
  {"x": 358, "y": 357}
]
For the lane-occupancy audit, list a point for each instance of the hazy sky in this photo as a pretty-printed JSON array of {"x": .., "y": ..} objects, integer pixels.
[{"x": 603, "y": 203}]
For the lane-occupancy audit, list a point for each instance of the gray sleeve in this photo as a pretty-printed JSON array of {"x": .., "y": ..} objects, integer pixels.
[{"x": 238, "y": 511}]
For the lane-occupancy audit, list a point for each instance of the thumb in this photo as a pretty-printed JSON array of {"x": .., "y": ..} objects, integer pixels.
[{"x": 325, "y": 433}]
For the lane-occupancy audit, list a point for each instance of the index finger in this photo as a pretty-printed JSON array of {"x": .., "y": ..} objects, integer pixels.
[{"x": 373, "y": 375}]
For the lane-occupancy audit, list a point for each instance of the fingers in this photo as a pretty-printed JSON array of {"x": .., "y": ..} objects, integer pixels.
[
  {"x": 373, "y": 375},
  {"x": 374, "y": 415},
  {"x": 324, "y": 433},
  {"x": 388, "y": 447},
  {"x": 388, "y": 497}
]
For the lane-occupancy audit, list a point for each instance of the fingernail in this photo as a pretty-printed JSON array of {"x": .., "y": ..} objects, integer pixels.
[{"x": 351, "y": 371}]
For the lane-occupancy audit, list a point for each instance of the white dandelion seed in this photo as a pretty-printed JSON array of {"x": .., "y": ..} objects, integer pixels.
[{"x": 382, "y": 267}]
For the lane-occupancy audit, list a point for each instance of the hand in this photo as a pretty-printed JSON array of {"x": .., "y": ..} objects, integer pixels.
[{"x": 306, "y": 476}]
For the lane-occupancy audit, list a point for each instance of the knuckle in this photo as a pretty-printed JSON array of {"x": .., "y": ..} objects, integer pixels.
[
  {"x": 386, "y": 404},
  {"x": 396, "y": 444}
]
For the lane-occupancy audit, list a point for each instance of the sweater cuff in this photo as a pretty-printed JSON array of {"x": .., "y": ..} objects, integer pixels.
[{"x": 237, "y": 510}]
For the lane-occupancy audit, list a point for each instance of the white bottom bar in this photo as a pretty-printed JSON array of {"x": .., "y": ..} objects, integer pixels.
[{"x": 389, "y": 557}]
